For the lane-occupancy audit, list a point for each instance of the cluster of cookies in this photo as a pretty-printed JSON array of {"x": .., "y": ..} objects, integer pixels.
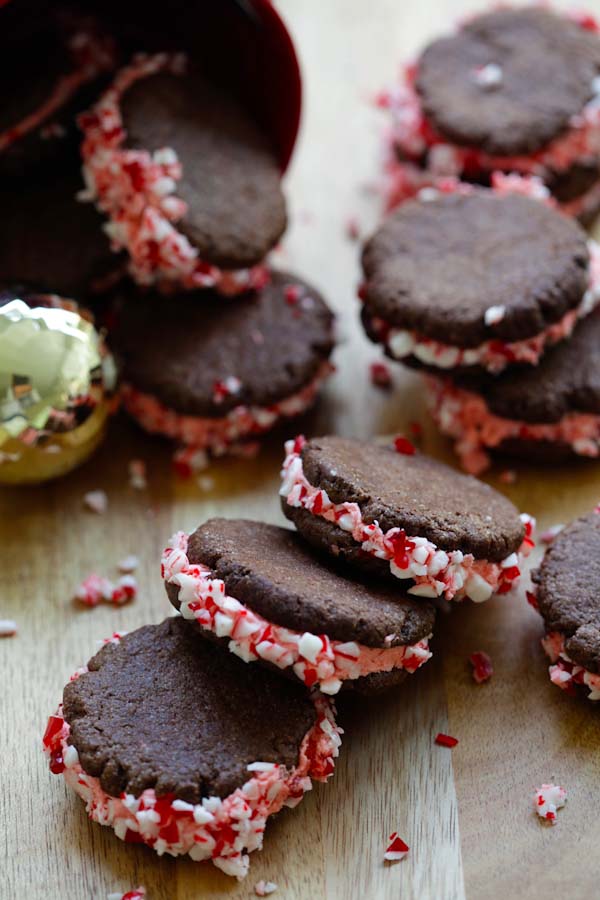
[
  {"x": 481, "y": 276},
  {"x": 188, "y": 735},
  {"x": 138, "y": 184}
]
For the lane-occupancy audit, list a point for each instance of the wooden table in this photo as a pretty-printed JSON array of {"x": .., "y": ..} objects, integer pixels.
[{"x": 466, "y": 813}]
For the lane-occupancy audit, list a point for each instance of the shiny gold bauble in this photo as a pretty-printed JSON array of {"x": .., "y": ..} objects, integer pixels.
[{"x": 56, "y": 384}]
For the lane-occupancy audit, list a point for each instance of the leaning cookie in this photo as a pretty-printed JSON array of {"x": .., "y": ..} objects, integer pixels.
[
  {"x": 477, "y": 281},
  {"x": 211, "y": 375},
  {"x": 179, "y": 746},
  {"x": 259, "y": 590},
  {"x": 550, "y": 413},
  {"x": 514, "y": 90},
  {"x": 393, "y": 511},
  {"x": 189, "y": 183},
  {"x": 49, "y": 71},
  {"x": 567, "y": 595}
]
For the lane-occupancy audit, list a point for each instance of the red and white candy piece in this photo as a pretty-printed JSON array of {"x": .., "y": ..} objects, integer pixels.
[
  {"x": 8, "y": 628},
  {"x": 396, "y": 849},
  {"x": 264, "y": 888},
  {"x": 548, "y": 800},
  {"x": 95, "y": 588},
  {"x": 96, "y": 501},
  {"x": 482, "y": 666},
  {"x": 380, "y": 375},
  {"x": 137, "y": 894}
]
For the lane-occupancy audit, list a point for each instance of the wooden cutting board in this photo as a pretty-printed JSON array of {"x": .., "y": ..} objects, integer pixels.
[{"x": 466, "y": 813}]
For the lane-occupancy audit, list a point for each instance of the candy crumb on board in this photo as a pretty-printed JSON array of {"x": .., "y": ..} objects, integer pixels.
[
  {"x": 8, "y": 628},
  {"x": 482, "y": 666},
  {"x": 547, "y": 800},
  {"x": 380, "y": 375},
  {"x": 128, "y": 564},
  {"x": 95, "y": 588},
  {"x": 137, "y": 894},
  {"x": 137, "y": 474},
  {"x": 264, "y": 888},
  {"x": 96, "y": 501},
  {"x": 396, "y": 849},
  {"x": 403, "y": 445},
  {"x": 547, "y": 536},
  {"x": 445, "y": 740}
]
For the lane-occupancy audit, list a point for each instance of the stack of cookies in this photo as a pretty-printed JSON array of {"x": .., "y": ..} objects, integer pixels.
[
  {"x": 188, "y": 735},
  {"x": 140, "y": 183},
  {"x": 480, "y": 277}
]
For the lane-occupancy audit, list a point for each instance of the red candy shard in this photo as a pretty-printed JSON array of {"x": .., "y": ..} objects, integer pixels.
[
  {"x": 299, "y": 443},
  {"x": 482, "y": 666},
  {"x": 445, "y": 740},
  {"x": 403, "y": 445},
  {"x": 396, "y": 849},
  {"x": 292, "y": 294},
  {"x": 380, "y": 375},
  {"x": 532, "y": 599},
  {"x": 53, "y": 729}
]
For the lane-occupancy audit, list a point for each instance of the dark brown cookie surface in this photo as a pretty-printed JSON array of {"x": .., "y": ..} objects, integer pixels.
[
  {"x": 567, "y": 380},
  {"x": 51, "y": 241},
  {"x": 164, "y": 710},
  {"x": 435, "y": 267},
  {"x": 424, "y": 497},
  {"x": 547, "y": 67},
  {"x": 179, "y": 348},
  {"x": 270, "y": 570},
  {"x": 231, "y": 180},
  {"x": 568, "y": 589}
]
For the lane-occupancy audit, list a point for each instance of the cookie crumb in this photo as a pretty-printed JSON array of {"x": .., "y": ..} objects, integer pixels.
[
  {"x": 548, "y": 800},
  {"x": 8, "y": 628},
  {"x": 445, "y": 740},
  {"x": 264, "y": 888},
  {"x": 482, "y": 666},
  {"x": 96, "y": 501},
  {"x": 396, "y": 849}
]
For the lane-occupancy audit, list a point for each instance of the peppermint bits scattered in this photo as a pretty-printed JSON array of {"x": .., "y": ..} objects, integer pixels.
[
  {"x": 548, "y": 800},
  {"x": 403, "y": 445},
  {"x": 380, "y": 375},
  {"x": 264, "y": 888},
  {"x": 96, "y": 501},
  {"x": 482, "y": 666},
  {"x": 494, "y": 314},
  {"x": 445, "y": 740},
  {"x": 137, "y": 894},
  {"x": 396, "y": 849},
  {"x": 8, "y": 628}
]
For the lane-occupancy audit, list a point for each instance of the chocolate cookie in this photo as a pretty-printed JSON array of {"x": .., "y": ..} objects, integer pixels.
[
  {"x": 546, "y": 69},
  {"x": 52, "y": 242},
  {"x": 567, "y": 592},
  {"x": 389, "y": 508},
  {"x": 548, "y": 413},
  {"x": 171, "y": 742},
  {"x": 49, "y": 71},
  {"x": 209, "y": 373},
  {"x": 257, "y": 588},
  {"x": 189, "y": 182},
  {"x": 481, "y": 280}
]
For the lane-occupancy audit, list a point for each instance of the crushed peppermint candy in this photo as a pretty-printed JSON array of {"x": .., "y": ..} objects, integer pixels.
[
  {"x": 547, "y": 536},
  {"x": 96, "y": 501},
  {"x": 403, "y": 445},
  {"x": 264, "y": 888},
  {"x": 489, "y": 76},
  {"x": 445, "y": 740},
  {"x": 494, "y": 314},
  {"x": 380, "y": 375},
  {"x": 137, "y": 894},
  {"x": 396, "y": 849},
  {"x": 314, "y": 659},
  {"x": 8, "y": 628},
  {"x": 128, "y": 564},
  {"x": 482, "y": 666},
  {"x": 508, "y": 476},
  {"x": 226, "y": 388},
  {"x": 137, "y": 474},
  {"x": 566, "y": 674},
  {"x": 548, "y": 800},
  {"x": 96, "y": 589}
]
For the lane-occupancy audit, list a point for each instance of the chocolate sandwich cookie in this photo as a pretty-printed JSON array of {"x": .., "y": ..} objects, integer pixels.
[
  {"x": 477, "y": 281},
  {"x": 179, "y": 746},
  {"x": 190, "y": 185},
  {"x": 49, "y": 70},
  {"x": 550, "y": 413},
  {"x": 512, "y": 90},
  {"x": 567, "y": 594},
  {"x": 52, "y": 242},
  {"x": 389, "y": 510},
  {"x": 210, "y": 374},
  {"x": 259, "y": 590}
]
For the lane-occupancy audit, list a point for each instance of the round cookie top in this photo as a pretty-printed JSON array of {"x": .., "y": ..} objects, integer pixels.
[
  {"x": 567, "y": 380},
  {"x": 546, "y": 69},
  {"x": 568, "y": 589},
  {"x": 230, "y": 175},
  {"x": 436, "y": 266},
  {"x": 271, "y": 570},
  {"x": 162, "y": 709},
  {"x": 419, "y": 494},
  {"x": 181, "y": 350},
  {"x": 52, "y": 242}
]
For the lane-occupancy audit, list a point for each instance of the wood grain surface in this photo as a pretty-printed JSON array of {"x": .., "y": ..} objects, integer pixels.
[{"x": 465, "y": 813}]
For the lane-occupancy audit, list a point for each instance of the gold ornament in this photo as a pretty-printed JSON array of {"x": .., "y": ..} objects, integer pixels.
[{"x": 56, "y": 380}]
